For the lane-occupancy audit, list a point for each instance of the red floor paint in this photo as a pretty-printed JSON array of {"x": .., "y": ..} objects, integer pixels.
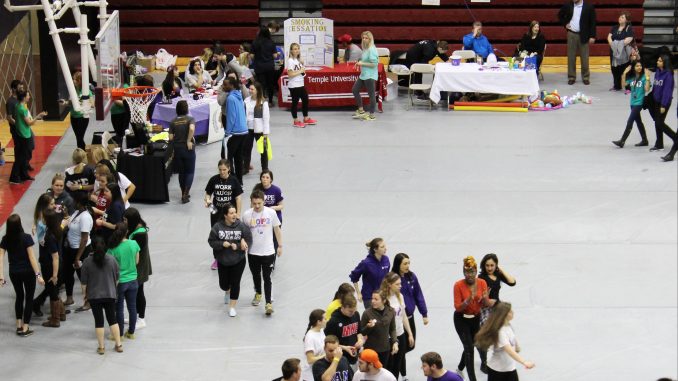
[{"x": 10, "y": 194}]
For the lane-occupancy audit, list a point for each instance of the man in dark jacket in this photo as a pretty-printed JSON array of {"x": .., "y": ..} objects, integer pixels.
[
  {"x": 423, "y": 52},
  {"x": 579, "y": 18}
]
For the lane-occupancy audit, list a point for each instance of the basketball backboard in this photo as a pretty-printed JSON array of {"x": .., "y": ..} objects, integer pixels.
[{"x": 109, "y": 69}]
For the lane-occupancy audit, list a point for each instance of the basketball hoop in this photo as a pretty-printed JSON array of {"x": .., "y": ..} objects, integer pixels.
[{"x": 138, "y": 98}]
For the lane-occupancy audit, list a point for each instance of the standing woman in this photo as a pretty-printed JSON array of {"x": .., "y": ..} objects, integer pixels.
[
  {"x": 45, "y": 202},
  {"x": 230, "y": 239},
  {"x": 138, "y": 231},
  {"x": 23, "y": 271},
  {"x": 662, "y": 96},
  {"x": 534, "y": 42},
  {"x": 77, "y": 245},
  {"x": 619, "y": 39},
  {"x": 314, "y": 342},
  {"x": 265, "y": 53},
  {"x": 258, "y": 125},
  {"x": 181, "y": 132},
  {"x": 221, "y": 190},
  {"x": 470, "y": 295},
  {"x": 126, "y": 253},
  {"x": 63, "y": 202},
  {"x": 114, "y": 212},
  {"x": 640, "y": 85},
  {"x": 343, "y": 290},
  {"x": 296, "y": 73},
  {"x": 79, "y": 120},
  {"x": 369, "y": 74},
  {"x": 498, "y": 334},
  {"x": 372, "y": 270},
  {"x": 50, "y": 253},
  {"x": 413, "y": 296},
  {"x": 391, "y": 288},
  {"x": 80, "y": 177},
  {"x": 100, "y": 274}
]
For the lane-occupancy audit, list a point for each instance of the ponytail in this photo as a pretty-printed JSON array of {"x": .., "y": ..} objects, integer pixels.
[
  {"x": 313, "y": 319},
  {"x": 99, "y": 246}
]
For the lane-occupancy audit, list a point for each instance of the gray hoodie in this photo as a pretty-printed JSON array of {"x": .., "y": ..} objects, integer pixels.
[{"x": 221, "y": 232}]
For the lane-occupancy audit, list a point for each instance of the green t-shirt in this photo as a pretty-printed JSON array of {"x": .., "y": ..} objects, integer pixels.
[
  {"x": 118, "y": 109},
  {"x": 126, "y": 256},
  {"x": 22, "y": 128},
  {"x": 637, "y": 90},
  {"x": 77, "y": 114},
  {"x": 370, "y": 55}
]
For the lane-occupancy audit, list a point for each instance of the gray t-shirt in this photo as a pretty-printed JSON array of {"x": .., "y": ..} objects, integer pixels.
[
  {"x": 180, "y": 127},
  {"x": 101, "y": 281}
]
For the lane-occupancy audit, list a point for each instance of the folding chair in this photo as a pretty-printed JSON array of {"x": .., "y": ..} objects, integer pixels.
[
  {"x": 420, "y": 69},
  {"x": 465, "y": 54}
]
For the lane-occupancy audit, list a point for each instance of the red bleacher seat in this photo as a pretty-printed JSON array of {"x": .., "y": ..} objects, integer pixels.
[
  {"x": 181, "y": 34},
  {"x": 182, "y": 50},
  {"x": 191, "y": 5},
  {"x": 493, "y": 3},
  {"x": 182, "y": 16}
]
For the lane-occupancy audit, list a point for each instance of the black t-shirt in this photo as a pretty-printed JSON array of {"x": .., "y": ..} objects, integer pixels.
[
  {"x": 618, "y": 36},
  {"x": 263, "y": 49},
  {"x": 424, "y": 51},
  {"x": 494, "y": 285},
  {"x": 179, "y": 128},
  {"x": 223, "y": 191},
  {"x": 344, "y": 371},
  {"x": 50, "y": 247},
  {"x": 346, "y": 328},
  {"x": 11, "y": 110},
  {"x": 18, "y": 257},
  {"x": 84, "y": 178}
]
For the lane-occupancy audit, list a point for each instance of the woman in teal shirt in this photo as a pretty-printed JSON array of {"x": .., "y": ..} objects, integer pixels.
[
  {"x": 79, "y": 120},
  {"x": 640, "y": 85},
  {"x": 368, "y": 64},
  {"x": 126, "y": 253}
]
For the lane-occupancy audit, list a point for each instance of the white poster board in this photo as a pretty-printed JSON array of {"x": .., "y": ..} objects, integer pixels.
[
  {"x": 315, "y": 37},
  {"x": 430, "y": 2}
]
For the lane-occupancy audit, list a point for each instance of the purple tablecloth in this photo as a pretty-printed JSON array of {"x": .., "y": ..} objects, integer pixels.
[{"x": 164, "y": 113}]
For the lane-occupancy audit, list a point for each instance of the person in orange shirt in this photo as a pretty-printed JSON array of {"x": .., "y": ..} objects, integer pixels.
[{"x": 470, "y": 295}]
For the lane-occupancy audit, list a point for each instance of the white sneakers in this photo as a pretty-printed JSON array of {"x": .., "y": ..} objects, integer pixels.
[
  {"x": 232, "y": 312},
  {"x": 141, "y": 323}
]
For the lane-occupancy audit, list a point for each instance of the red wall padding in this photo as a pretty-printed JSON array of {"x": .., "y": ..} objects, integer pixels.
[
  {"x": 181, "y": 16},
  {"x": 493, "y": 3},
  {"x": 182, "y": 34},
  {"x": 192, "y": 4},
  {"x": 182, "y": 50}
]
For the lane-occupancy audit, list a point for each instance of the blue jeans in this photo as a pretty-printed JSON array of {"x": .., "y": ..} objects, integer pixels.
[
  {"x": 184, "y": 163},
  {"x": 127, "y": 292}
]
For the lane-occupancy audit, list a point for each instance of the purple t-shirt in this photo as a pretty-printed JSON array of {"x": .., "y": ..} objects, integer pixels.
[
  {"x": 448, "y": 376},
  {"x": 273, "y": 197}
]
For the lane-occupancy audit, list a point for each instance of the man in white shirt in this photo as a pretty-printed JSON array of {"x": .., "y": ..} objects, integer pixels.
[
  {"x": 371, "y": 369},
  {"x": 263, "y": 222},
  {"x": 579, "y": 19}
]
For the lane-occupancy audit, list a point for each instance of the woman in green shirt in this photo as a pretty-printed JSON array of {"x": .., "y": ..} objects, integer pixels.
[
  {"x": 22, "y": 139},
  {"x": 368, "y": 64},
  {"x": 126, "y": 253},
  {"x": 640, "y": 85},
  {"x": 79, "y": 120}
]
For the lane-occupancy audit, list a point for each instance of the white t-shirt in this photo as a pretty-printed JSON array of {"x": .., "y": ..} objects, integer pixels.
[
  {"x": 261, "y": 224},
  {"x": 123, "y": 184},
  {"x": 313, "y": 341},
  {"x": 399, "y": 310},
  {"x": 382, "y": 375},
  {"x": 500, "y": 360},
  {"x": 79, "y": 223},
  {"x": 297, "y": 81}
]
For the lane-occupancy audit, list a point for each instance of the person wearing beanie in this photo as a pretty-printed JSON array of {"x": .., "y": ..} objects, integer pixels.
[
  {"x": 470, "y": 295},
  {"x": 432, "y": 366},
  {"x": 370, "y": 368},
  {"x": 352, "y": 52}
]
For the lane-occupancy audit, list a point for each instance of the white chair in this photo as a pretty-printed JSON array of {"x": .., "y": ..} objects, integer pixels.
[
  {"x": 420, "y": 69},
  {"x": 465, "y": 54}
]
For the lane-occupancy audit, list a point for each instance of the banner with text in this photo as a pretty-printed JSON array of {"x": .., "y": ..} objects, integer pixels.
[{"x": 315, "y": 37}]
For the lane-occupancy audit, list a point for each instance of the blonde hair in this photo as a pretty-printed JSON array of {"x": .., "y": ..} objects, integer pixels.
[
  {"x": 79, "y": 156},
  {"x": 371, "y": 37},
  {"x": 385, "y": 288},
  {"x": 292, "y": 45},
  {"x": 206, "y": 55},
  {"x": 99, "y": 153},
  {"x": 58, "y": 176}
]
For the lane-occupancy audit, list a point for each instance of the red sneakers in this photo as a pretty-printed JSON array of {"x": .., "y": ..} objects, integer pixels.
[
  {"x": 310, "y": 121},
  {"x": 299, "y": 124}
]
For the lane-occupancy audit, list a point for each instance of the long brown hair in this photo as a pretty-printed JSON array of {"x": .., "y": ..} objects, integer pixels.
[
  {"x": 385, "y": 288},
  {"x": 532, "y": 24},
  {"x": 259, "y": 96},
  {"x": 488, "y": 335}
]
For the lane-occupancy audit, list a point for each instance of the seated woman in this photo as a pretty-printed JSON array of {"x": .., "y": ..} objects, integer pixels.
[
  {"x": 196, "y": 76},
  {"x": 245, "y": 55},
  {"x": 534, "y": 42},
  {"x": 172, "y": 85}
]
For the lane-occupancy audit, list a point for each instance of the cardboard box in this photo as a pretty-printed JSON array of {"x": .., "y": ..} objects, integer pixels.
[
  {"x": 147, "y": 62},
  {"x": 90, "y": 156}
]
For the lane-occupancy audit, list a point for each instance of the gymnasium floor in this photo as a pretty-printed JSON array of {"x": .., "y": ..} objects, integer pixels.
[{"x": 588, "y": 230}]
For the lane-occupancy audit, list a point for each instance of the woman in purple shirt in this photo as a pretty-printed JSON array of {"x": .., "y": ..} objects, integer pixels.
[
  {"x": 372, "y": 270},
  {"x": 662, "y": 96}
]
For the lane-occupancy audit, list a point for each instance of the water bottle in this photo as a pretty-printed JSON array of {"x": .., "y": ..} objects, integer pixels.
[{"x": 213, "y": 209}]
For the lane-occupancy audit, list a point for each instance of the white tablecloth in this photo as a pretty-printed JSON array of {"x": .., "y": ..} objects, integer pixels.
[{"x": 468, "y": 78}]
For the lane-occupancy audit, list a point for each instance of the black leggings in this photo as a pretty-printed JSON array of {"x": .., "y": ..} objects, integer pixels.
[
  {"x": 229, "y": 278},
  {"x": 267, "y": 80},
  {"x": 634, "y": 116},
  {"x": 299, "y": 93},
  {"x": 51, "y": 290},
  {"x": 617, "y": 72},
  {"x": 120, "y": 123},
  {"x": 407, "y": 348},
  {"x": 235, "y": 154},
  {"x": 67, "y": 268},
  {"x": 493, "y": 375},
  {"x": 395, "y": 361},
  {"x": 247, "y": 146},
  {"x": 264, "y": 156},
  {"x": 660, "y": 126},
  {"x": 467, "y": 329},
  {"x": 24, "y": 287},
  {"x": 262, "y": 264},
  {"x": 99, "y": 306},
  {"x": 22, "y": 153},
  {"x": 79, "y": 128},
  {"x": 141, "y": 301}
]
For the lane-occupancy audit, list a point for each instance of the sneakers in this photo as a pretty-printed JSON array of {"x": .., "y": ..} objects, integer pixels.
[
  {"x": 655, "y": 148},
  {"x": 358, "y": 114},
  {"x": 232, "y": 313},
  {"x": 214, "y": 265},
  {"x": 368, "y": 117},
  {"x": 618, "y": 143},
  {"x": 642, "y": 143},
  {"x": 141, "y": 323},
  {"x": 257, "y": 300},
  {"x": 310, "y": 121},
  {"x": 101, "y": 351},
  {"x": 269, "y": 309},
  {"x": 129, "y": 335},
  {"x": 25, "y": 333},
  {"x": 299, "y": 124}
]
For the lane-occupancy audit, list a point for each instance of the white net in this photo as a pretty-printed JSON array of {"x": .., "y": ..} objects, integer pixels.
[{"x": 138, "y": 98}]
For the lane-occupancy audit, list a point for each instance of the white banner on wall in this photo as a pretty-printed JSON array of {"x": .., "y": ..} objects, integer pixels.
[
  {"x": 430, "y": 2},
  {"x": 315, "y": 37}
]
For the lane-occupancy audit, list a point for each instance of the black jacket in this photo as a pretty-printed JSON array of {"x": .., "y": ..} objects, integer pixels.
[
  {"x": 423, "y": 52},
  {"x": 587, "y": 22}
]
